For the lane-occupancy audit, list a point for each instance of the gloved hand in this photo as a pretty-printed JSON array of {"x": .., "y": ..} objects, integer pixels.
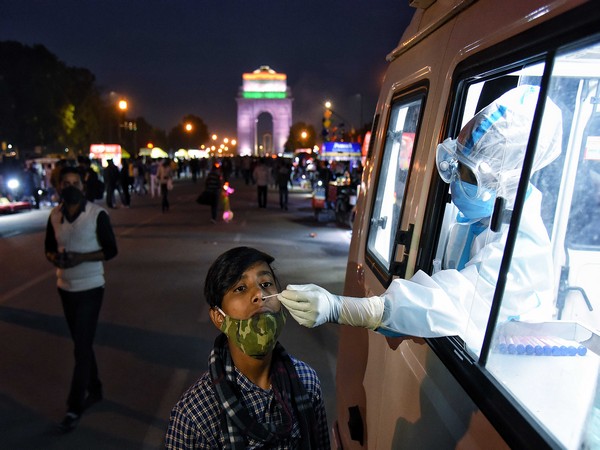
[{"x": 311, "y": 305}]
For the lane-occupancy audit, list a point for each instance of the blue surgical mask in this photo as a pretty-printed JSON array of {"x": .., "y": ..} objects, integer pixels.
[{"x": 464, "y": 196}]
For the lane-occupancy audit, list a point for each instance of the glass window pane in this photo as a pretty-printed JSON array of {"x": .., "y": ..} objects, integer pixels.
[
  {"x": 544, "y": 349},
  {"x": 392, "y": 179}
]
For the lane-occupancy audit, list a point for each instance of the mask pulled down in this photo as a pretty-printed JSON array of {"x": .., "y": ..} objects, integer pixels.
[{"x": 256, "y": 336}]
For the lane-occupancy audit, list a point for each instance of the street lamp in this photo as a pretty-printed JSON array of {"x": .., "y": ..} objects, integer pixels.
[
  {"x": 188, "y": 128},
  {"x": 330, "y": 110},
  {"x": 122, "y": 108}
]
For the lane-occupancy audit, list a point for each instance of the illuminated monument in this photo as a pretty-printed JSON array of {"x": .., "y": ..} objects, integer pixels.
[{"x": 264, "y": 90}]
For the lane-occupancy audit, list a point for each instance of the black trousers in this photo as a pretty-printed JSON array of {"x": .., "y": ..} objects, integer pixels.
[
  {"x": 81, "y": 311},
  {"x": 283, "y": 197},
  {"x": 262, "y": 196},
  {"x": 164, "y": 191}
]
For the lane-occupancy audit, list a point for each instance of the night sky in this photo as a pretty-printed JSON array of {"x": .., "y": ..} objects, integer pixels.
[{"x": 170, "y": 58}]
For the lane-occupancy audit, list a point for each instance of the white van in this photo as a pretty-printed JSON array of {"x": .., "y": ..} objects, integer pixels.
[{"x": 469, "y": 391}]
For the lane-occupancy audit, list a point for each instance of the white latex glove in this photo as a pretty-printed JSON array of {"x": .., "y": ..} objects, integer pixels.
[{"x": 311, "y": 305}]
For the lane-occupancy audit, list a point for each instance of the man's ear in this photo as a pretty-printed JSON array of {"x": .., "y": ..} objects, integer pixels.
[{"x": 216, "y": 317}]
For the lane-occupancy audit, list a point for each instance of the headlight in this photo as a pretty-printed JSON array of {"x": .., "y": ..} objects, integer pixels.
[{"x": 13, "y": 183}]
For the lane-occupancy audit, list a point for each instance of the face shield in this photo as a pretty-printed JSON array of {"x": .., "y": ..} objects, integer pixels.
[
  {"x": 489, "y": 150},
  {"x": 454, "y": 167}
]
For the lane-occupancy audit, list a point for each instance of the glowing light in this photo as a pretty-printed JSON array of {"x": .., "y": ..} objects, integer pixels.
[
  {"x": 189, "y": 127},
  {"x": 263, "y": 95},
  {"x": 227, "y": 216},
  {"x": 122, "y": 105},
  {"x": 13, "y": 183}
]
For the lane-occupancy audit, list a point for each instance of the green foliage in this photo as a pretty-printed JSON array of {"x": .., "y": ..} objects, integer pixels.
[
  {"x": 297, "y": 140},
  {"x": 179, "y": 137}
]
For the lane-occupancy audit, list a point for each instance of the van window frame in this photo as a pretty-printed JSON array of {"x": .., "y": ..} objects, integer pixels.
[
  {"x": 538, "y": 44},
  {"x": 415, "y": 91}
]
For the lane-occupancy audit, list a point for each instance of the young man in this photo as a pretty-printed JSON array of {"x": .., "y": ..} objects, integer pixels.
[
  {"x": 78, "y": 238},
  {"x": 254, "y": 394}
]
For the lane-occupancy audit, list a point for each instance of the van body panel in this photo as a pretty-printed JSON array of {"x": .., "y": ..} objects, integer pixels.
[{"x": 405, "y": 393}]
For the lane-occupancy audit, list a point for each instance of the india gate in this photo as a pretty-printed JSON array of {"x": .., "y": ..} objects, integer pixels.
[{"x": 263, "y": 91}]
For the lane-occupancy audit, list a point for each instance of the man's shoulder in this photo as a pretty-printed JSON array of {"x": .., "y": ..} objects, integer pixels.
[
  {"x": 94, "y": 208},
  {"x": 306, "y": 374},
  {"x": 199, "y": 396}
]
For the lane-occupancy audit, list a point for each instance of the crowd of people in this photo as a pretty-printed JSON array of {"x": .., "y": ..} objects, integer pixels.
[{"x": 119, "y": 180}]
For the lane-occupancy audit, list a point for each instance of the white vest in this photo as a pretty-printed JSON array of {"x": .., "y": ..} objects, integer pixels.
[{"x": 80, "y": 237}]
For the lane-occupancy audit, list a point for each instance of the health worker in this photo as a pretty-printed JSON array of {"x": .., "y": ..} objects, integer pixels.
[{"x": 481, "y": 164}]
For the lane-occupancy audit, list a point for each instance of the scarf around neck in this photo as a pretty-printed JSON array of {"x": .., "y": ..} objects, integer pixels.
[{"x": 238, "y": 424}]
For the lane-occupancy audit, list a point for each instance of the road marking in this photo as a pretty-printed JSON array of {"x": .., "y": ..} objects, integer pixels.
[{"x": 19, "y": 289}]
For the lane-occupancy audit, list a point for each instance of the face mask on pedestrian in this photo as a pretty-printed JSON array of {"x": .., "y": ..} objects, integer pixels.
[
  {"x": 71, "y": 195},
  {"x": 256, "y": 336},
  {"x": 471, "y": 204}
]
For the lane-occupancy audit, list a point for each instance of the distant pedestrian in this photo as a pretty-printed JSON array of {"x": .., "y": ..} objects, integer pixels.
[
  {"x": 125, "y": 184},
  {"x": 164, "y": 177},
  {"x": 154, "y": 186},
  {"x": 194, "y": 168},
  {"x": 111, "y": 181},
  {"x": 139, "y": 173},
  {"x": 246, "y": 163},
  {"x": 203, "y": 166},
  {"x": 213, "y": 185},
  {"x": 284, "y": 177},
  {"x": 226, "y": 169},
  {"x": 261, "y": 176},
  {"x": 79, "y": 237}
]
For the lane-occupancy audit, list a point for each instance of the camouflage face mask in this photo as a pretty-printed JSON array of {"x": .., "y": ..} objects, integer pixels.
[{"x": 256, "y": 336}]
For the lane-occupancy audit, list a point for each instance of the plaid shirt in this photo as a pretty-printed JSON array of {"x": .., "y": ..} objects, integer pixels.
[{"x": 196, "y": 419}]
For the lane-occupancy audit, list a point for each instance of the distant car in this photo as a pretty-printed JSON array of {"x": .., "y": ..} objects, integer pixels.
[{"x": 8, "y": 207}]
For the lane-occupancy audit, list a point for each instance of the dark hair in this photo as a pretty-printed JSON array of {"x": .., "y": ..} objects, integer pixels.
[
  {"x": 69, "y": 169},
  {"x": 227, "y": 270}
]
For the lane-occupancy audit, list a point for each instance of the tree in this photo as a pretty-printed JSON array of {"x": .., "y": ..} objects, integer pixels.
[
  {"x": 148, "y": 134},
  {"x": 196, "y": 135},
  {"x": 45, "y": 103},
  {"x": 301, "y": 135}
]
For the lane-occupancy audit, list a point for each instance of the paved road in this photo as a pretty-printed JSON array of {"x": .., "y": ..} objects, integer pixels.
[{"x": 154, "y": 335}]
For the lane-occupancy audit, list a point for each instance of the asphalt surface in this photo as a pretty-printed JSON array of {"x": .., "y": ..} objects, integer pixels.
[{"x": 154, "y": 334}]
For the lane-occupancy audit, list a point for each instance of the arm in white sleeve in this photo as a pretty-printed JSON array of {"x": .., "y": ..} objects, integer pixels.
[{"x": 420, "y": 307}]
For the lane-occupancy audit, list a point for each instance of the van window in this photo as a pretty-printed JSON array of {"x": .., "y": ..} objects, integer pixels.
[
  {"x": 405, "y": 113},
  {"x": 534, "y": 306}
]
